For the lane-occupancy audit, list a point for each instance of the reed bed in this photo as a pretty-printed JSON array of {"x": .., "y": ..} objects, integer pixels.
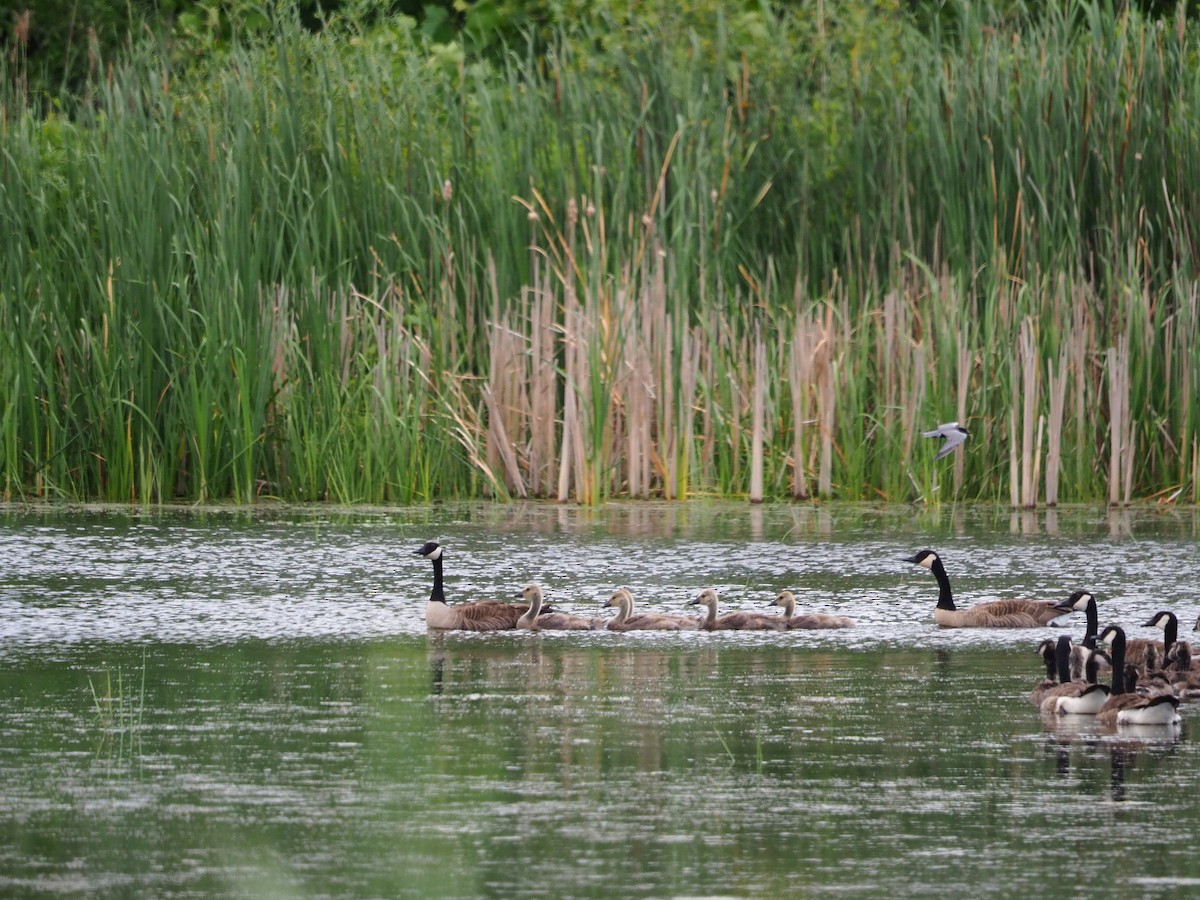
[{"x": 341, "y": 271}]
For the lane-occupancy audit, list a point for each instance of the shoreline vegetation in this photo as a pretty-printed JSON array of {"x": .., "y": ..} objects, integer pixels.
[{"x": 754, "y": 261}]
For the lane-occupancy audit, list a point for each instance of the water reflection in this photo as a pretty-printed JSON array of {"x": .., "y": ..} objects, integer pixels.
[{"x": 1079, "y": 743}]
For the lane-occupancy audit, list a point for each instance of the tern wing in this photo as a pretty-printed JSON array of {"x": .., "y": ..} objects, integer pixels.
[
  {"x": 943, "y": 430},
  {"x": 953, "y": 440}
]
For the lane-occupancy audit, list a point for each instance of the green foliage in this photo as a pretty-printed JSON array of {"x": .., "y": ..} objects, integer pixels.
[{"x": 280, "y": 274}]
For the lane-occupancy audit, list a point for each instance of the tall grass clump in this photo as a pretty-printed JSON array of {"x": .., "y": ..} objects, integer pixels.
[{"x": 750, "y": 256}]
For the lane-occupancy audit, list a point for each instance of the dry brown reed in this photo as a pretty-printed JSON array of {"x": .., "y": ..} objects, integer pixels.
[
  {"x": 800, "y": 381},
  {"x": 600, "y": 387},
  {"x": 758, "y": 425},
  {"x": 1028, "y": 359},
  {"x": 966, "y": 367},
  {"x": 1057, "y": 386},
  {"x": 1120, "y": 467}
]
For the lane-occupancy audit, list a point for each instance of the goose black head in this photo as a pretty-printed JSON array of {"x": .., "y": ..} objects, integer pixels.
[
  {"x": 1162, "y": 620},
  {"x": 1078, "y": 601},
  {"x": 429, "y": 550},
  {"x": 924, "y": 558}
]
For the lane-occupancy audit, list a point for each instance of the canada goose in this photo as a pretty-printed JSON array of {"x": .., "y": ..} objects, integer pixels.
[
  {"x": 535, "y": 620},
  {"x": 1078, "y": 687},
  {"x": 625, "y": 620},
  {"x": 1179, "y": 658},
  {"x": 1084, "y": 602},
  {"x": 1086, "y": 703},
  {"x": 1169, "y": 623},
  {"x": 480, "y": 615},
  {"x": 1057, "y": 656},
  {"x": 734, "y": 621},
  {"x": 787, "y": 600},
  {"x": 1175, "y": 651},
  {"x": 1144, "y": 654},
  {"x": 1090, "y": 701},
  {"x": 1180, "y": 669},
  {"x": 992, "y": 614},
  {"x": 1161, "y": 709},
  {"x": 1180, "y": 661},
  {"x": 1127, "y": 708},
  {"x": 953, "y": 436}
]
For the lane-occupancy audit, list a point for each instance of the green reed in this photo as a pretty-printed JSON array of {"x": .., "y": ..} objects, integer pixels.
[{"x": 356, "y": 272}]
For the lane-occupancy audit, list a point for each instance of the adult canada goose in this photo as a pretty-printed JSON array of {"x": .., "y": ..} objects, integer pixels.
[
  {"x": 1057, "y": 656},
  {"x": 625, "y": 620},
  {"x": 1145, "y": 654},
  {"x": 1078, "y": 687},
  {"x": 1084, "y": 602},
  {"x": 1124, "y": 707},
  {"x": 1161, "y": 709},
  {"x": 1087, "y": 702},
  {"x": 810, "y": 621},
  {"x": 479, "y": 615},
  {"x": 1169, "y": 623},
  {"x": 992, "y": 614},
  {"x": 734, "y": 621},
  {"x": 535, "y": 620}
]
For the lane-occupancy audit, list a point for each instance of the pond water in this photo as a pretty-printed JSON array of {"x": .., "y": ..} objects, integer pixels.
[{"x": 219, "y": 702}]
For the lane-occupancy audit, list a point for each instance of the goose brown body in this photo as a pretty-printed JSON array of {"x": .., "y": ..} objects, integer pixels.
[
  {"x": 992, "y": 614},
  {"x": 1181, "y": 669},
  {"x": 808, "y": 621},
  {"x": 1176, "y": 654},
  {"x": 1124, "y": 706},
  {"x": 734, "y": 621},
  {"x": 626, "y": 620},
  {"x": 536, "y": 620}
]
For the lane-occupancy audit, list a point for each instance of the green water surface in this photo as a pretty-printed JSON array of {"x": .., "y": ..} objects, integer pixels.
[{"x": 148, "y": 747}]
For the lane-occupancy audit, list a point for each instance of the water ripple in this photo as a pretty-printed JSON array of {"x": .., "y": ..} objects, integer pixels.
[{"x": 228, "y": 576}]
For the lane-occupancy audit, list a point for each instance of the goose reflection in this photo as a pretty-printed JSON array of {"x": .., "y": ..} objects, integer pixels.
[
  {"x": 437, "y": 662},
  {"x": 1078, "y": 743},
  {"x": 1150, "y": 741}
]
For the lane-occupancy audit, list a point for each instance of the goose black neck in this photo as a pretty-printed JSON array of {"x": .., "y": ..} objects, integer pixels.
[
  {"x": 1170, "y": 635},
  {"x": 1093, "y": 624},
  {"x": 438, "y": 594},
  {"x": 945, "y": 599},
  {"x": 1091, "y": 669},
  {"x": 1062, "y": 659},
  {"x": 1118, "y": 664},
  {"x": 1050, "y": 665}
]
